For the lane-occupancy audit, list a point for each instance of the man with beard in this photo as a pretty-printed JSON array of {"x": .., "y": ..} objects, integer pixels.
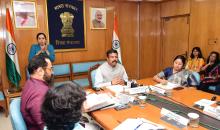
[
  {"x": 40, "y": 69},
  {"x": 110, "y": 72}
]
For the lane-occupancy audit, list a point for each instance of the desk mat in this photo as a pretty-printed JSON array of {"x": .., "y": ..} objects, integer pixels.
[{"x": 181, "y": 109}]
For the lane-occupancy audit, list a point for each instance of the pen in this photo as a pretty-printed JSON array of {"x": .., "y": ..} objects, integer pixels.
[{"x": 138, "y": 126}]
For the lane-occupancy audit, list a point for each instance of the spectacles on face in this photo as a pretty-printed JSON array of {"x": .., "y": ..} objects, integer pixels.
[{"x": 49, "y": 68}]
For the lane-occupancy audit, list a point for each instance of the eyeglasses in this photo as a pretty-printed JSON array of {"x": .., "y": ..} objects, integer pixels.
[{"x": 51, "y": 68}]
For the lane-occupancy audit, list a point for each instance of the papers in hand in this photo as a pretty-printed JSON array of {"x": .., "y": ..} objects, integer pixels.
[
  {"x": 97, "y": 101},
  {"x": 138, "y": 124},
  {"x": 169, "y": 85}
]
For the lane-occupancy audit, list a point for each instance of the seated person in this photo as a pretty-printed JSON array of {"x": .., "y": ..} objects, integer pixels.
[
  {"x": 61, "y": 109},
  {"x": 40, "y": 69},
  {"x": 42, "y": 48},
  {"x": 176, "y": 74},
  {"x": 196, "y": 61},
  {"x": 211, "y": 72},
  {"x": 110, "y": 72}
]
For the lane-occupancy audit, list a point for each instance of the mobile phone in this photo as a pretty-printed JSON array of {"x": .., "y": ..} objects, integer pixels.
[{"x": 213, "y": 98}]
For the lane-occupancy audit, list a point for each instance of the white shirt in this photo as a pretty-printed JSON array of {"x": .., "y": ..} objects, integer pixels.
[{"x": 106, "y": 73}]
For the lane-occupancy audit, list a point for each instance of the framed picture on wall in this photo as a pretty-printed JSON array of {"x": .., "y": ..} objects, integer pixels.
[
  {"x": 24, "y": 14},
  {"x": 98, "y": 18}
]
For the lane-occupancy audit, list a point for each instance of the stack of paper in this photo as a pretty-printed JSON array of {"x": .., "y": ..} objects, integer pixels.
[
  {"x": 97, "y": 101},
  {"x": 138, "y": 124}
]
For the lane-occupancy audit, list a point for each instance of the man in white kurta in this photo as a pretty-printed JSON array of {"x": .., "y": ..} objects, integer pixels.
[{"x": 110, "y": 72}]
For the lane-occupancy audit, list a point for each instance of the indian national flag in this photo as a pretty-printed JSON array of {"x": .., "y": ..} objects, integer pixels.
[
  {"x": 115, "y": 39},
  {"x": 12, "y": 65}
]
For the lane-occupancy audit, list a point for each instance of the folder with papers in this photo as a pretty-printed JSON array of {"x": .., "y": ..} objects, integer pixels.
[
  {"x": 139, "y": 124},
  {"x": 97, "y": 101}
]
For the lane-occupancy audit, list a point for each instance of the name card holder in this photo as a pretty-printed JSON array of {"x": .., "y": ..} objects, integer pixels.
[
  {"x": 211, "y": 111},
  {"x": 173, "y": 118}
]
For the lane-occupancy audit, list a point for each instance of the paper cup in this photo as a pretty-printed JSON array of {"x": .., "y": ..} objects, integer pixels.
[
  {"x": 142, "y": 100},
  {"x": 193, "y": 119}
]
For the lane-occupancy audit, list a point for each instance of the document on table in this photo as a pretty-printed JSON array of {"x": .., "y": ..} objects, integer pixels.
[
  {"x": 139, "y": 124},
  {"x": 97, "y": 101},
  {"x": 116, "y": 88},
  {"x": 169, "y": 85},
  {"x": 204, "y": 102}
]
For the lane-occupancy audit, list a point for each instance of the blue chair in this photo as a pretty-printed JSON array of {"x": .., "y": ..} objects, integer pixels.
[
  {"x": 212, "y": 88},
  {"x": 2, "y": 97},
  {"x": 62, "y": 71},
  {"x": 17, "y": 120},
  {"x": 27, "y": 73},
  {"x": 78, "y": 69},
  {"x": 91, "y": 74}
]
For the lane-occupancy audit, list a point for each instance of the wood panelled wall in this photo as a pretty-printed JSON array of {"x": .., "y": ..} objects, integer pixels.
[
  {"x": 149, "y": 39},
  {"x": 139, "y": 33},
  {"x": 205, "y": 26},
  {"x": 98, "y": 41},
  {"x": 204, "y": 22},
  {"x": 175, "y": 7}
]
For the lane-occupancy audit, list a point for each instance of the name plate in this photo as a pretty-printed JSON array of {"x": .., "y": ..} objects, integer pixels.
[
  {"x": 173, "y": 118},
  {"x": 211, "y": 111},
  {"x": 158, "y": 90},
  {"x": 138, "y": 90}
]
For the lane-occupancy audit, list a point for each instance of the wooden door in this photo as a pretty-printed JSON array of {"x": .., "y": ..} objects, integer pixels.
[{"x": 175, "y": 38}]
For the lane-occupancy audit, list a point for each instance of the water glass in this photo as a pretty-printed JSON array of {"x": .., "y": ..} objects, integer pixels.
[
  {"x": 193, "y": 120},
  {"x": 142, "y": 100}
]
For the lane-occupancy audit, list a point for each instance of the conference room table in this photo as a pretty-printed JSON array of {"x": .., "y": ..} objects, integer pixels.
[{"x": 110, "y": 118}]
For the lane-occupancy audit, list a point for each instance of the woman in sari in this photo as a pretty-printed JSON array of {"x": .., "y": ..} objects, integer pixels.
[
  {"x": 211, "y": 74},
  {"x": 176, "y": 74},
  {"x": 196, "y": 61}
]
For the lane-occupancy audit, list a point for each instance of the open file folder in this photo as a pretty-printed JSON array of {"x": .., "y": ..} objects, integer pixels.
[
  {"x": 139, "y": 124},
  {"x": 98, "y": 101}
]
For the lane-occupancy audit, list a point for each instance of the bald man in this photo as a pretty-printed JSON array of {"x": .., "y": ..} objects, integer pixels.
[{"x": 97, "y": 22}]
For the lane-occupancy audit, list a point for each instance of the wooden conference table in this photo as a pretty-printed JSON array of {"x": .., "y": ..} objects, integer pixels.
[{"x": 110, "y": 118}]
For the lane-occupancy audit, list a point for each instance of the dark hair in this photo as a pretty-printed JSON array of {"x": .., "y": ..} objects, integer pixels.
[
  {"x": 110, "y": 52},
  {"x": 182, "y": 58},
  {"x": 37, "y": 62},
  {"x": 199, "y": 50},
  {"x": 61, "y": 108},
  {"x": 217, "y": 57},
  {"x": 41, "y": 34}
]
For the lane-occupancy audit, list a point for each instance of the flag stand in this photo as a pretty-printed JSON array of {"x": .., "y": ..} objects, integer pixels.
[{"x": 13, "y": 89}]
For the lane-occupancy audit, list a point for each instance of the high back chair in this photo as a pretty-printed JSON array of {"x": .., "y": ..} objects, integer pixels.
[
  {"x": 91, "y": 75},
  {"x": 2, "y": 97},
  {"x": 17, "y": 120}
]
